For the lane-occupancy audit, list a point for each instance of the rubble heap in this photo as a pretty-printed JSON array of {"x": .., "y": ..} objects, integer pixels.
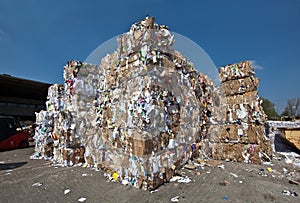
[{"x": 240, "y": 137}]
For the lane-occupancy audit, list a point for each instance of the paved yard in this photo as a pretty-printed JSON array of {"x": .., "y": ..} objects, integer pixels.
[{"x": 25, "y": 180}]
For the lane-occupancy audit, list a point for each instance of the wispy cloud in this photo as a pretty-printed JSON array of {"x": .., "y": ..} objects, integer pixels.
[{"x": 256, "y": 66}]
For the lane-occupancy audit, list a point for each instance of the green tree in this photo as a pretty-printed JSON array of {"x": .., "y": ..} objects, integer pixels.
[{"x": 269, "y": 109}]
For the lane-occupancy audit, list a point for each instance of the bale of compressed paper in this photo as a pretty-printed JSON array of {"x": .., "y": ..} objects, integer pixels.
[
  {"x": 236, "y": 71},
  {"x": 240, "y": 86}
]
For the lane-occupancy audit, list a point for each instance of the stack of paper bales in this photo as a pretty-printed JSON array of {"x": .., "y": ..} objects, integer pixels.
[
  {"x": 141, "y": 115},
  {"x": 241, "y": 136},
  {"x": 145, "y": 111}
]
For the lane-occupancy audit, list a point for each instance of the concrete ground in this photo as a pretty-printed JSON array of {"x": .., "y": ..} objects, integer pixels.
[{"x": 25, "y": 180}]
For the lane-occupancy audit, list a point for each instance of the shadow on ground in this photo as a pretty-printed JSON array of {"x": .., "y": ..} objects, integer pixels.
[
  {"x": 12, "y": 149},
  {"x": 8, "y": 166},
  {"x": 282, "y": 145}
]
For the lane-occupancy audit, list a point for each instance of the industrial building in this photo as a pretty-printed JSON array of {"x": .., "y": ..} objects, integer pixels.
[{"x": 21, "y": 98}]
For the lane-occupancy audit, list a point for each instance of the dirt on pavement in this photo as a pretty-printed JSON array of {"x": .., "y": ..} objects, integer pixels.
[{"x": 26, "y": 180}]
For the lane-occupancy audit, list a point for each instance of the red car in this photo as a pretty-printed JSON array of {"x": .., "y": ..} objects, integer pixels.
[{"x": 11, "y": 134}]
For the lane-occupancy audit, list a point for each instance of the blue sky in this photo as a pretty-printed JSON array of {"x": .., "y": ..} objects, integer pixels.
[{"x": 38, "y": 37}]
